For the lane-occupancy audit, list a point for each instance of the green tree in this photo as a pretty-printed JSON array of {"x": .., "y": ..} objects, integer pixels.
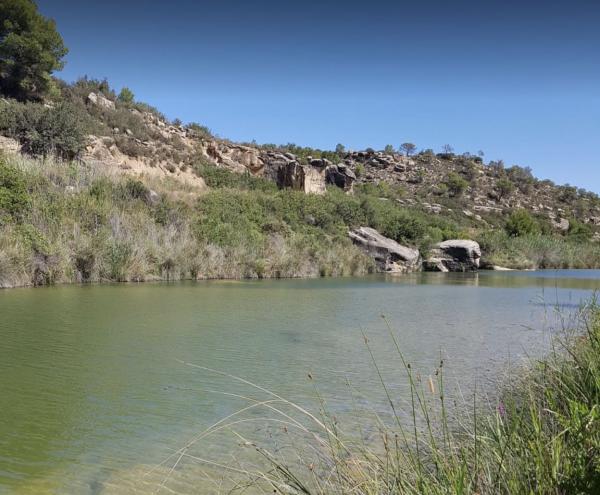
[
  {"x": 521, "y": 223},
  {"x": 408, "y": 148},
  {"x": 30, "y": 50},
  {"x": 389, "y": 149},
  {"x": 340, "y": 149},
  {"x": 126, "y": 95}
]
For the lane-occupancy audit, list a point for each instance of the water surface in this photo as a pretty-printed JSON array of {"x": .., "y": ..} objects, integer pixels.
[{"x": 93, "y": 391}]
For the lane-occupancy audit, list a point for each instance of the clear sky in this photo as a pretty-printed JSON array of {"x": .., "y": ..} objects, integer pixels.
[{"x": 519, "y": 80}]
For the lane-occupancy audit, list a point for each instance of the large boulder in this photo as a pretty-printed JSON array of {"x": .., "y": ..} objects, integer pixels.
[
  {"x": 389, "y": 256},
  {"x": 305, "y": 178},
  {"x": 456, "y": 255},
  {"x": 101, "y": 101},
  {"x": 341, "y": 176}
]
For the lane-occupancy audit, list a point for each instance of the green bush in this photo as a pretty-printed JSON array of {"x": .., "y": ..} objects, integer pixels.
[
  {"x": 135, "y": 189},
  {"x": 456, "y": 184},
  {"x": 579, "y": 232},
  {"x": 504, "y": 187},
  {"x": 44, "y": 131},
  {"x": 126, "y": 95},
  {"x": 14, "y": 197},
  {"x": 521, "y": 223},
  {"x": 219, "y": 178}
]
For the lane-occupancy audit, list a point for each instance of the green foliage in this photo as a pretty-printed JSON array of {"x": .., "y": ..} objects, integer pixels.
[
  {"x": 42, "y": 131},
  {"x": 14, "y": 197},
  {"x": 30, "y": 50},
  {"x": 381, "y": 190},
  {"x": 579, "y": 232},
  {"x": 567, "y": 193},
  {"x": 218, "y": 178},
  {"x": 126, "y": 96},
  {"x": 135, "y": 189},
  {"x": 456, "y": 184},
  {"x": 199, "y": 131},
  {"x": 521, "y": 223},
  {"x": 504, "y": 188}
]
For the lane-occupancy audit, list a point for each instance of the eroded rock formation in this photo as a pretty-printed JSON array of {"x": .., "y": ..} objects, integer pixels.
[
  {"x": 456, "y": 255},
  {"x": 389, "y": 256}
]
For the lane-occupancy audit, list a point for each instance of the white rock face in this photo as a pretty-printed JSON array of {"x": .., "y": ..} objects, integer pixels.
[
  {"x": 390, "y": 256},
  {"x": 101, "y": 101}
]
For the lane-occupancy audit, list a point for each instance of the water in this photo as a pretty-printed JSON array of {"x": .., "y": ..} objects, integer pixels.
[{"x": 94, "y": 390}]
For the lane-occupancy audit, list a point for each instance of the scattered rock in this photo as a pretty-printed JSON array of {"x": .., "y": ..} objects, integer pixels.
[
  {"x": 455, "y": 255},
  {"x": 152, "y": 197},
  {"x": 101, "y": 101},
  {"x": 9, "y": 144},
  {"x": 390, "y": 256},
  {"x": 561, "y": 224}
]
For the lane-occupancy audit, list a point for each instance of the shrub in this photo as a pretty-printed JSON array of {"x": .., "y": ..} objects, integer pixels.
[
  {"x": 579, "y": 231},
  {"x": 219, "y": 178},
  {"x": 126, "y": 96},
  {"x": 135, "y": 189},
  {"x": 14, "y": 197},
  {"x": 504, "y": 188},
  {"x": 521, "y": 223},
  {"x": 456, "y": 184},
  {"x": 199, "y": 131},
  {"x": 44, "y": 131}
]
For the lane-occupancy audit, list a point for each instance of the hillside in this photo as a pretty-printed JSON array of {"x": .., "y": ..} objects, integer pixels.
[{"x": 109, "y": 189}]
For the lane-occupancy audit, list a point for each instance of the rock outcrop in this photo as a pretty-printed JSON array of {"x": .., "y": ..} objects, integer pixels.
[
  {"x": 389, "y": 256},
  {"x": 457, "y": 255},
  {"x": 101, "y": 101},
  {"x": 292, "y": 175},
  {"x": 341, "y": 176}
]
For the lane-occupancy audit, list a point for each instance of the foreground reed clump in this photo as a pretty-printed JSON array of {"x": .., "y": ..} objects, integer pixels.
[{"x": 541, "y": 434}]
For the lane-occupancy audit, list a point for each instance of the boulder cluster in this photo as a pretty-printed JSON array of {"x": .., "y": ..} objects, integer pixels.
[{"x": 456, "y": 255}]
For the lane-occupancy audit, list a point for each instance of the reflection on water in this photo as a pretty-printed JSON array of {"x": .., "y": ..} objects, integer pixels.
[
  {"x": 562, "y": 279},
  {"x": 93, "y": 390}
]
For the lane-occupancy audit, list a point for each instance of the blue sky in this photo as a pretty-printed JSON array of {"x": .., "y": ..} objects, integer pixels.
[{"x": 518, "y": 80}]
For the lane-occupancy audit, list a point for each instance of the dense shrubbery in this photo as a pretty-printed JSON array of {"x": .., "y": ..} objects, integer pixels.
[
  {"x": 218, "y": 178},
  {"x": 56, "y": 130}
]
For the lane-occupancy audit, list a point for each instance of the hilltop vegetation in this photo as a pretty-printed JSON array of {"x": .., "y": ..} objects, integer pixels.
[{"x": 96, "y": 186}]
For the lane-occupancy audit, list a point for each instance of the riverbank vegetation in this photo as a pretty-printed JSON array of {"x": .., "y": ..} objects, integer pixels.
[
  {"x": 66, "y": 217},
  {"x": 540, "y": 434},
  {"x": 67, "y": 221}
]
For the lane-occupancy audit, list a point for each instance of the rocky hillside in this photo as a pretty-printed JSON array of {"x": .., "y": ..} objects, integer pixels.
[
  {"x": 135, "y": 139},
  {"x": 442, "y": 183}
]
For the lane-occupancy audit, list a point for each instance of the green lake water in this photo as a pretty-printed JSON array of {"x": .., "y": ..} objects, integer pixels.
[{"x": 94, "y": 391}]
